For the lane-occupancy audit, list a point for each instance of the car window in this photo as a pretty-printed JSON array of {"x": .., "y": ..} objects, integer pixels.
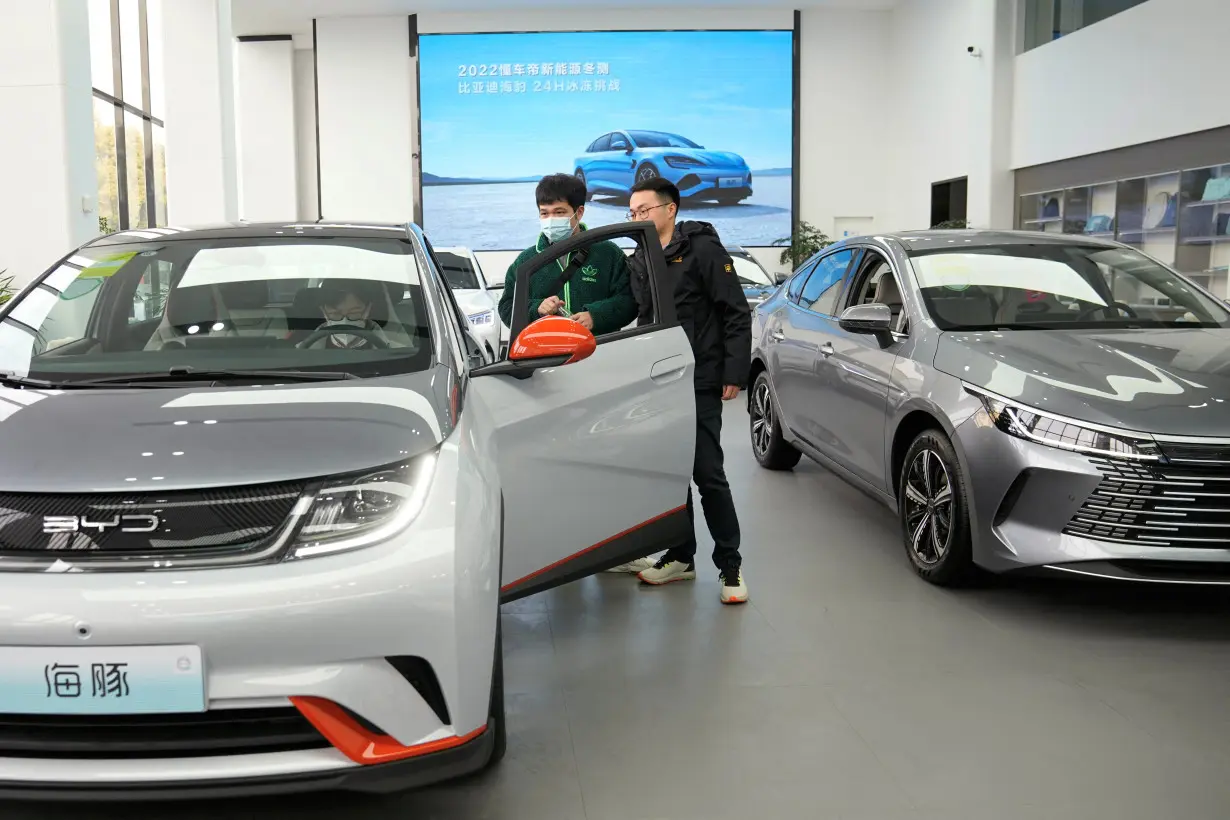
[
  {"x": 619, "y": 142},
  {"x": 659, "y": 139},
  {"x": 1048, "y": 286},
  {"x": 457, "y": 270},
  {"x": 795, "y": 287},
  {"x": 149, "y": 306},
  {"x": 824, "y": 285},
  {"x": 603, "y": 143},
  {"x": 751, "y": 273}
]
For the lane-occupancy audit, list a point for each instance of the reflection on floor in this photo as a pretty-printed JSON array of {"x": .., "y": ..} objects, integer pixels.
[{"x": 847, "y": 689}]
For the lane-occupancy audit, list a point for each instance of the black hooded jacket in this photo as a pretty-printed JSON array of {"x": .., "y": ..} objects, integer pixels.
[{"x": 709, "y": 301}]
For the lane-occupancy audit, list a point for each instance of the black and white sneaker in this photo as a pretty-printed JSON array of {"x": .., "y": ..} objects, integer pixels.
[
  {"x": 734, "y": 590},
  {"x": 667, "y": 571}
]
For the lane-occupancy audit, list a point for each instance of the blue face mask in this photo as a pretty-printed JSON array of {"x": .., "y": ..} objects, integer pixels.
[{"x": 556, "y": 228}]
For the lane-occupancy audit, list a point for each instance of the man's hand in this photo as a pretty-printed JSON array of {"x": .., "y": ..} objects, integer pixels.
[
  {"x": 585, "y": 319},
  {"x": 730, "y": 392},
  {"x": 550, "y": 306}
]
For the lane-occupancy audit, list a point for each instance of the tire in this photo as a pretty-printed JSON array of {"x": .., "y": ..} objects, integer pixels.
[
  {"x": 589, "y": 195},
  {"x": 771, "y": 450},
  {"x": 647, "y": 171},
  {"x": 931, "y": 490},
  {"x": 495, "y": 712}
]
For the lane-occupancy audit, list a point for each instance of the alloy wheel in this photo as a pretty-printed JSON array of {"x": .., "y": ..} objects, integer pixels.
[
  {"x": 646, "y": 172},
  {"x": 928, "y": 507},
  {"x": 762, "y": 418}
]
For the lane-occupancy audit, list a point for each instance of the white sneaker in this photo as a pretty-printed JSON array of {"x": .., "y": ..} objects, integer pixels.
[
  {"x": 734, "y": 590},
  {"x": 633, "y": 567},
  {"x": 666, "y": 571}
]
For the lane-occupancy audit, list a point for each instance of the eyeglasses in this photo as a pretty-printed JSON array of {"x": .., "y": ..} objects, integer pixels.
[
  {"x": 349, "y": 316},
  {"x": 641, "y": 213}
]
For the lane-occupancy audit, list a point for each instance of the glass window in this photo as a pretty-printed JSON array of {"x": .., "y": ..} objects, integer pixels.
[
  {"x": 824, "y": 285},
  {"x": 134, "y": 146},
  {"x": 1049, "y": 286},
  {"x": 751, "y": 273},
  {"x": 209, "y": 304},
  {"x": 153, "y": 28},
  {"x": 160, "y": 175},
  {"x": 1047, "y": 20},
  {"x": 106, "y": 162},
  {"x": 795, "y": 288},
  {"x": 102, "y": 71},
  {"x": 130, "y": 53},
  {"x": 457, "y": 270},
  {"x": 659, "y": 139},
  {"x": 619, "y": 142}
]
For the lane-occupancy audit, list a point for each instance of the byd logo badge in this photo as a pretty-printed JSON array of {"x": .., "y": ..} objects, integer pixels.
[{"x": 82, "y": 523}]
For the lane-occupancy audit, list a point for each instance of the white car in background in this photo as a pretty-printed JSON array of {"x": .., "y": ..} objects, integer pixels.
[{"x": 465, "y": 276}]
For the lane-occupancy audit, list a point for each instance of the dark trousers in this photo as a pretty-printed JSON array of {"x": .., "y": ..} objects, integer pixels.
[{"x": 716, "y": 500}]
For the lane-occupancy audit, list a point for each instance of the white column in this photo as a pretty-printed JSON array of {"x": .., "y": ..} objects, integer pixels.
[
  {"x": 265, "y": 111},
  {"x": 991, "y": 181},
  {"x": 305, "y": 134},
  {"x": 47, "y": 138},
  {"x": 202, "y": 179},
  {"x": 365, "y": 89}
]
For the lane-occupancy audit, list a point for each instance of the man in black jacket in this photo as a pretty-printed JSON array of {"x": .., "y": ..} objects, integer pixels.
[{"x": 714, "y": 313}]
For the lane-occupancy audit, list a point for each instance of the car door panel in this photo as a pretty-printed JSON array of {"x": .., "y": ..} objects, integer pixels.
[{"x": 594, "y": 457}]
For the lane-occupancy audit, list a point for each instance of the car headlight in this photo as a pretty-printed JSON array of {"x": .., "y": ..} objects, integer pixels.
[
  {"x": 677, "y": 161},
  {"x": 364, "y": 509},
  {"x": 487, "y": 317},
  {"x": 1065, "y": 434}
]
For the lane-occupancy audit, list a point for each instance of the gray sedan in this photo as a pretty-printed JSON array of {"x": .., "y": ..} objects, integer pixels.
[{"x": 1024, "y": 401}]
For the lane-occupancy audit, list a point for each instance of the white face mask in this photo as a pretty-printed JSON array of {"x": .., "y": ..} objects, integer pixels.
[
  {"x": 556, "y": 228},
  {"x": 345, "y": 339}
]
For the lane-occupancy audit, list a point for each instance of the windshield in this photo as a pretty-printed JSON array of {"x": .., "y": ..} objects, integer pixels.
[
  {"x": 458, "y": 271},
  {"x": 1049, "y": 286},
  {"x": 352, "y": 306},
  {"x": 658, "y": 139},
  {"x": 750, "y": 273}
]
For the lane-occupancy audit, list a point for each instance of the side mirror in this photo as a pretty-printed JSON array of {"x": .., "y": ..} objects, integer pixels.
[
  {"x": 553, "y": 337},
  {"x": 873, "y": 318}
]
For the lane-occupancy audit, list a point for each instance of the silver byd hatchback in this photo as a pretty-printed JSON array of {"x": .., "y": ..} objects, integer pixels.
[{"x": 262, "y": 494}]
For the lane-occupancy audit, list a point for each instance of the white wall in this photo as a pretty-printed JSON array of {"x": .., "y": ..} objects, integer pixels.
[
  {"x": 846, "y": 80},
  {"x": 265, "y": 114},
  {"x": 366, "y": 96},
  {"x": 1155, "y": 71},
  {"x": 48, "y": 136},
  {"x": 305, "y": 133}
]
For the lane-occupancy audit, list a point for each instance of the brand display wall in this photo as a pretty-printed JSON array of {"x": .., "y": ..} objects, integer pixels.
[{"x": 710, "y": 110}]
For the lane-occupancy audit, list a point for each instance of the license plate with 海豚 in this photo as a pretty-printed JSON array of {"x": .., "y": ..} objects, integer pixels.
[
  {"x": 101, "y": 680},
  {"x": 730, "y": 182}
]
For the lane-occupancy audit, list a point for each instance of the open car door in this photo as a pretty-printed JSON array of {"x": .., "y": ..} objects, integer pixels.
[{"x": 594, "y": 455}]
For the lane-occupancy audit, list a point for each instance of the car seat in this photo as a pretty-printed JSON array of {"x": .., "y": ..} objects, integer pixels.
[
  {"x": 247, "y": 306},
  {"x": 193, "y": 311},
  {"x": 887, "y": 293},
  {"x": 304, "y": 315}
]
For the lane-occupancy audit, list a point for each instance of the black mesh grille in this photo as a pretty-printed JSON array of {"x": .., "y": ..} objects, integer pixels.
[
  {"x": 143, "y": 523},
  {"x": 219, "y": 732},
  {"x": 1158, "y": 505}
]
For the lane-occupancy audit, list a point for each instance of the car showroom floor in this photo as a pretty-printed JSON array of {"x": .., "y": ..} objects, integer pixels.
[{"x": 847, "y": 689}]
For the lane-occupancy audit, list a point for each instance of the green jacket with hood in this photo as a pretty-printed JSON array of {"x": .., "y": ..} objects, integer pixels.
[{"x": 601, "y": 287}]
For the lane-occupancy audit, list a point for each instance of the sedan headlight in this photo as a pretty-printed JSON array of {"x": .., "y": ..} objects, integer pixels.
[
  {"x": 364, "y": 509},
  {"x": 677, "y": 161},
  {"x": 487, "y": 317},
  {"x": 1065, "y": 434}
]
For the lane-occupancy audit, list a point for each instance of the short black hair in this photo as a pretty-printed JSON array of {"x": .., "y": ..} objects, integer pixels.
[
  {"x": 335, "y": 291},
  {"x": 660, "y": 186},
  {"x": 560, "y": 188}
]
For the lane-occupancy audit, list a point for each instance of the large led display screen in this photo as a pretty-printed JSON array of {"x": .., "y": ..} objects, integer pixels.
[{"x": 712, "y": 111}]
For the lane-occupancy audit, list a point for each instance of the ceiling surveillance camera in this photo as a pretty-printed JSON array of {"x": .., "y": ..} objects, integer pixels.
[{"x": 973, "y": 51}]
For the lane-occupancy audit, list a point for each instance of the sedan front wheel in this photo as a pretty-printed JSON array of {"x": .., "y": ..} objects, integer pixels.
[
  {"x": 771, "y": 450},
  {"x": 934, "y": 511}
]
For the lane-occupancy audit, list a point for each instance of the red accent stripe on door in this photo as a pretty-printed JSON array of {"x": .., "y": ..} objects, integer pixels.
[{"x": 588, "y": 550}]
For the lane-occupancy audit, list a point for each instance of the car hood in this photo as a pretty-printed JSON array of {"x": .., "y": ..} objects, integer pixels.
[
  {"x": 474, "y": 301},
  {"x": 1169, "y": 381},
  {"x": 95, "y": 440},
  {"x": 711, "y": 157}
]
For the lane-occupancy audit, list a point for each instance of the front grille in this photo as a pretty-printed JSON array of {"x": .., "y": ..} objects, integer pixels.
[
  {"x": 120, "y": 525},
  {"x": 1158, "y": 504},
  {"x": 204, "y": 734}
]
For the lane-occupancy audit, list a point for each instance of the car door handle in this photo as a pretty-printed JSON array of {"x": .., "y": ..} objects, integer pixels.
[
  {"x": 668, "y": 370},
  {"x": 826, "y": 349}
]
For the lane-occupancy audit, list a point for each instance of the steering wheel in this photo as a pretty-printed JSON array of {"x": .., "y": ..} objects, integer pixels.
[
  {"x": 1106, "y": 309},
  {"x": 345, "y": 330}
]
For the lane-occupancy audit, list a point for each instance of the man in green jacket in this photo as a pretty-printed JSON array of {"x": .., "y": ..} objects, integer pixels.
[{"x": 599, "y": 295}]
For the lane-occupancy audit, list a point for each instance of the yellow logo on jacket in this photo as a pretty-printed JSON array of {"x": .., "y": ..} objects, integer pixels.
[{"x": 676, "y": 260}]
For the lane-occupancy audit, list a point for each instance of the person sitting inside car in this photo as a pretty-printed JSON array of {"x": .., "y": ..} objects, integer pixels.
[{"x": 348, "y": 306}]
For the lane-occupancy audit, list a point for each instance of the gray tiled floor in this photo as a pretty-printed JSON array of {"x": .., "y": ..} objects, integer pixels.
[{"x": 847, "y": 689}]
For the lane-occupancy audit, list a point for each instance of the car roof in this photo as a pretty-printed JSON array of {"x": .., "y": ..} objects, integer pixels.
[
  {"x": 259, "y": 230},
  {"x": 917, "y": 240}
]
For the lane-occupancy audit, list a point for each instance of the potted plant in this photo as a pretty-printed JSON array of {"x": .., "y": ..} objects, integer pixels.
[
  {"x": 951, "y": 225},
  {"x": 7, "y": 288},
  {"x": 806, "y": 242}
]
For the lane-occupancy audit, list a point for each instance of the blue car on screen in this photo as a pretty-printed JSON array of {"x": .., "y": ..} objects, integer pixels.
[{"x": 615, "y": 162}]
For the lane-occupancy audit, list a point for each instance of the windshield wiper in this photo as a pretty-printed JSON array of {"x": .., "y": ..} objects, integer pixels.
[
  {"x": 20, "y": 381},
  {"x": 191, "y": 374}
]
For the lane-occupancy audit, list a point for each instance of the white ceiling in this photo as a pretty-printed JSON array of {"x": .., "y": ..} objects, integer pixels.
[{"x": 295, "y": 16}]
